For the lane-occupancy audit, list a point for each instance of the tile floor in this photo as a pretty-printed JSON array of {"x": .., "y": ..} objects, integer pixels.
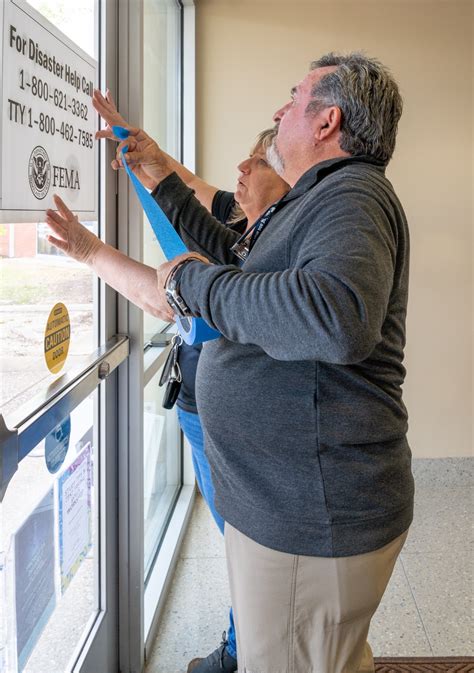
[{"x": 426, "y": 610}]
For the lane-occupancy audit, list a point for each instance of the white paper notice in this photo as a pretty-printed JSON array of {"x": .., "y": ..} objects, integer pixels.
[
  {"x": 48, "y": 122},
  {"x": 75, "y": 521}
]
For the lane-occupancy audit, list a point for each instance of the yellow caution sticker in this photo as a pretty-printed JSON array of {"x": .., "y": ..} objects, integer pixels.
[{"x": 56, "y": 338}]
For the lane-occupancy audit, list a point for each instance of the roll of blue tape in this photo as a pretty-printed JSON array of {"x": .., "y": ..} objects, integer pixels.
[
  {"x": 192, "y": 330},
  {"x": 195, "y": 330}
]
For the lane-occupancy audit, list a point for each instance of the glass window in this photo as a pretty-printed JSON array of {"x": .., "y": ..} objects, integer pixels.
[
  {"x": 161, "y": 120},
  {"x": 74, "y": 19},
  {"x": 161, "y": 103},
  {"x": 162, "y": 466},
  {"x": 35, "y": 276}
]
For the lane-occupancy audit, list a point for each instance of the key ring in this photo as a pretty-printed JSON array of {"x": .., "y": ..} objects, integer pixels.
[{"x": 175, "y": 374}]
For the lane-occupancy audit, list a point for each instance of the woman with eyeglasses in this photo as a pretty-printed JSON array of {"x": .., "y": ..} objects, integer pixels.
[{"x": 258, "y": 187}]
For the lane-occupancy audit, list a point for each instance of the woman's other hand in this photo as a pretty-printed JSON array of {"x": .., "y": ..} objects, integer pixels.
[
  {"x": 70, "y": 236},
  {"x": 142, "y": 152}
]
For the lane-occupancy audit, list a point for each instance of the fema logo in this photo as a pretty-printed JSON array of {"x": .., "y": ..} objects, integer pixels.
[{"x": 39, "y": 172}]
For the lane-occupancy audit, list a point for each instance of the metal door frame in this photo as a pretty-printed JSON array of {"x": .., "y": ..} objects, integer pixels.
[{"x": 137, "y": 625}]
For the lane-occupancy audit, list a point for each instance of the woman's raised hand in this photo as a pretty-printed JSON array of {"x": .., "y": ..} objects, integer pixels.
[
  {"x": 145, "y": 157},
  {"x": 105, "y": 106}
]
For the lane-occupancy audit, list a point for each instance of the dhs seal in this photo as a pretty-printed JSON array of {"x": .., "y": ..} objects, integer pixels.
[{"x": 39, "y": 172}]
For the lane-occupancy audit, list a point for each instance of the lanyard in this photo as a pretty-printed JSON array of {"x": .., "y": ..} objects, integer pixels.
[{"x": 245, "y": 243}]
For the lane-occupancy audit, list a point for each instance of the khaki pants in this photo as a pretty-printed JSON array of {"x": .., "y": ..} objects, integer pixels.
[{"x": 305, "y": 614}]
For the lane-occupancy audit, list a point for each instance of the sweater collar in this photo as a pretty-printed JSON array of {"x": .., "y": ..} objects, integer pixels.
[{"x": 316, "y": 173}]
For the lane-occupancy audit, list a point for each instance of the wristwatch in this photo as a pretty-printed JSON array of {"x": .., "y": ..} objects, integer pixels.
[{"x": 173, "y": 297}]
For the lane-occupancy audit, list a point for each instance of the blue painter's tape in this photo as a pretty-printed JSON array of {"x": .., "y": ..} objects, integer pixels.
[
  {"x": 169, "y": 240},
  {"x": 192, "y": 330}
]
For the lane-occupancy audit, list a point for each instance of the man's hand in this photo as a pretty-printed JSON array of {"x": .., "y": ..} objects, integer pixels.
[
  {"x": 147, "y": 161},
  {"x": 162, "y": 273},
  {"x": 70, "y": 235}
]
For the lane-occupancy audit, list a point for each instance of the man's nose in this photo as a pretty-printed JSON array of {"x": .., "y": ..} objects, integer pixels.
[
  {"x": 244, "y": 167},
  {"x": 279, "y": 114}
]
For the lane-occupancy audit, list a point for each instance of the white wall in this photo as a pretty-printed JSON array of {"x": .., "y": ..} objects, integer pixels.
[{"x": 250, "y": 53}]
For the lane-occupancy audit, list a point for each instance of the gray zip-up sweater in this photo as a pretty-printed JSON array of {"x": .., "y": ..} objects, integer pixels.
[{"x": 301, "y": 399}]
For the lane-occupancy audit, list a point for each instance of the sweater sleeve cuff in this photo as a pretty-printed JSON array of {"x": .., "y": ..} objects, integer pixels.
[
  {"x": 189, "y": 286},
  {"x": 195, "y": 286}
]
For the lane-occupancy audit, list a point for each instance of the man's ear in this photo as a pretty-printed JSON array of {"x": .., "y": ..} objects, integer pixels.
[{"x": 328, "y": 123}]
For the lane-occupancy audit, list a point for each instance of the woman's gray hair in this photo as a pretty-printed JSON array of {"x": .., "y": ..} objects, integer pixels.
[
  {"x": 264, "y": 139},
  {"x": 368, "y": 98}
]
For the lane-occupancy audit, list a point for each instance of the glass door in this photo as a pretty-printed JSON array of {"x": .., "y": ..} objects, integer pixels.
[
  {"x": 91, "y": 467},
  {"x": 60, "y": 356}
]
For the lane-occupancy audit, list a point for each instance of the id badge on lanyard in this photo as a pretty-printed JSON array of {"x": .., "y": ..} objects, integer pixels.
[{"x": 245, "y": 243}]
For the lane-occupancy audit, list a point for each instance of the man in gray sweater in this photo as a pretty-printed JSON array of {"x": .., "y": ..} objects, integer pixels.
[
  {"x": 301, "y": 397},
  {"x": 312, "y": 467}
]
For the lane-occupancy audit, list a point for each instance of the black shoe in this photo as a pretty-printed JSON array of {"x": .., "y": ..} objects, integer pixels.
[{"x": 219, "y": 661}]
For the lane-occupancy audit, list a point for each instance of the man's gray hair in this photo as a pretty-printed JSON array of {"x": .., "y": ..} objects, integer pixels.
[{"x": 368, "y": 98}]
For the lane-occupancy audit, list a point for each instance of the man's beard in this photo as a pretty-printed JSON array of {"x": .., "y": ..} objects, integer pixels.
[{"x": 275, "y": 159}]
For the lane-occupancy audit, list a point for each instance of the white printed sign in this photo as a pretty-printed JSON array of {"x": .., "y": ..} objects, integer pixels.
[
  {"x": 75, "y": 515},
  {"x": 47, "y": 119}
]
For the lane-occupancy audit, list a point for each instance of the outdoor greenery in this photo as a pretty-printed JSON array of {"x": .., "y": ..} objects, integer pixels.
[{"x": 30, "y": 281}]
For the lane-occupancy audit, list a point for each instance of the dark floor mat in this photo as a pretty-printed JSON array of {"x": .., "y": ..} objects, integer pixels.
[{"x": 425, "y": 665}]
